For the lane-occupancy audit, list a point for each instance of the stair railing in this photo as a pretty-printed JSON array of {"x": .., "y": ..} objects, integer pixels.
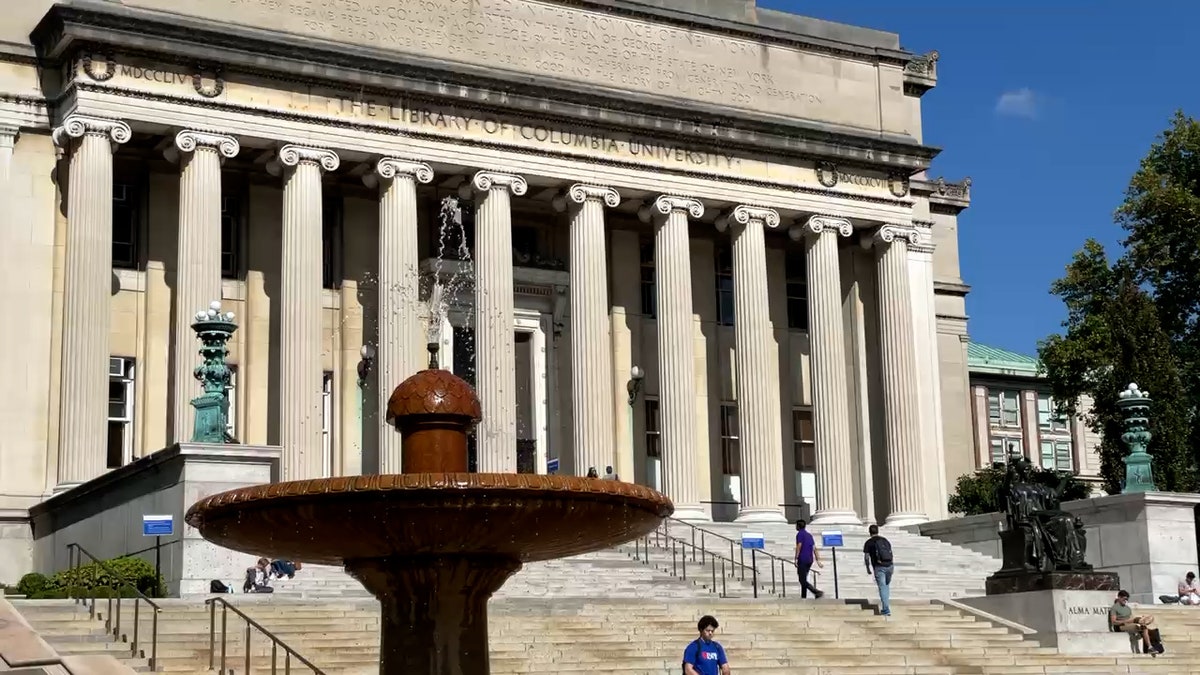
[
  {"x": 112, "y": 619},
  {"x": 681, "y": 549},
  {"x": 778, "y": 564},
  {"x": 251, "y": 625}
]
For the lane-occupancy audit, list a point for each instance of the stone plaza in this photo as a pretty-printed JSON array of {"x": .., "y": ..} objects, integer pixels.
[{"x": 738, "y": 207}]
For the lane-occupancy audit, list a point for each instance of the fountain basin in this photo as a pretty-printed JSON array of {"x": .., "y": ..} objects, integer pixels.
[{"x": 524, "y": 516}]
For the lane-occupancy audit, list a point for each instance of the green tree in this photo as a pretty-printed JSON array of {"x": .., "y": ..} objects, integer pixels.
[{"x": 1136, "y": 319}]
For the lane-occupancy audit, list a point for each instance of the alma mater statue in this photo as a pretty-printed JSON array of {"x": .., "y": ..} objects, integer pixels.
[{"x": 1040, "y": 536}]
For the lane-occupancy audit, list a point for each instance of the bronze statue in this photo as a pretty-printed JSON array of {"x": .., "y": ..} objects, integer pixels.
[{"x": 1040, "y": 536}]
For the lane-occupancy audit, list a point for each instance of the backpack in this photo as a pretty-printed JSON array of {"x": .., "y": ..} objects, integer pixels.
[
  {"x": 215, "y": 586},
  {"x": 883, "y": 551},
  {"x": 697, "y": 661}
]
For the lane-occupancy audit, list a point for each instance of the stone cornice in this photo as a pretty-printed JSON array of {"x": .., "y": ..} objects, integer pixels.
[
  {"x": 951, "y": 288},
  {"x": 68, "y": 29}
]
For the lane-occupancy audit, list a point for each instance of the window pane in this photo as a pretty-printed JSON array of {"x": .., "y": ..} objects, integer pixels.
[
  {"x": 116, "y": 444},
  {"x": 994, "y": 408},
  {"x": 806, "y": 457}
]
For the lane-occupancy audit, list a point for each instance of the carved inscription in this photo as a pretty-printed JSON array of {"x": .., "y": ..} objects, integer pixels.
[
  {"x": 1083, "y": 610},
  {"x": 575, "y": 44}
]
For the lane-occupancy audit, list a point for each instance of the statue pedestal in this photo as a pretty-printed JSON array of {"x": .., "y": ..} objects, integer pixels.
[{"x": 1069, "y": 610}]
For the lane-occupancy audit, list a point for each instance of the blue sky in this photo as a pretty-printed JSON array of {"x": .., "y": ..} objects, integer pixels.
[{"x": 1087, "y": 86}]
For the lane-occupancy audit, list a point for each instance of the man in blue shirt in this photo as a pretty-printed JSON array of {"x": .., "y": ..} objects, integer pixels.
[
  {"x": 705, "y": 656},
  {"x": 806, "y": 556}
]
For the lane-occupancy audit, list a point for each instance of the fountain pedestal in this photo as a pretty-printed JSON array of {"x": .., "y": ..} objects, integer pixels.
[{"x": 432, "y": 545}]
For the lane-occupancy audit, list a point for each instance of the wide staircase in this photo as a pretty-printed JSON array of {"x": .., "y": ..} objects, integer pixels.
[{"x": 626, "y": 636}]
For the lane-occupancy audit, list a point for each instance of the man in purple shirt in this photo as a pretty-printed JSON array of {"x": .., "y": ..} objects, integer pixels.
[{"x": 806, "y": 557}]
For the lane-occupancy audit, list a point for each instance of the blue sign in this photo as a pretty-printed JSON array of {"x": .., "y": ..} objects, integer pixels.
[
  {"x": 158, "y": 526},
  {"x": 831, "y": 538},
  {"x": 753, "y": 540},
  {"x": 552, "y": 465}
]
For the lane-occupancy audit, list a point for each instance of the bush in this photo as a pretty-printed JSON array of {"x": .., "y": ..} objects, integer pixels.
[
  {"x": 93, "y": 579},
  {"x": 976, "y": 492},
  {"x": 31, "y": 584}
]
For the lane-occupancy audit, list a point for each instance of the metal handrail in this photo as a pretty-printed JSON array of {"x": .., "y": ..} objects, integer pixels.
[
  {"x": 730, "y": 568},
  {"x": 733, "y": 543},
  {"x": 112, "y": 620},
  {"x": 276, "y": 643}
]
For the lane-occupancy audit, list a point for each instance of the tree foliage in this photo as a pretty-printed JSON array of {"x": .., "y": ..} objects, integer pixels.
[
  {"x": 1135, "y": 319},
  {"x": 977, "y": 492}
]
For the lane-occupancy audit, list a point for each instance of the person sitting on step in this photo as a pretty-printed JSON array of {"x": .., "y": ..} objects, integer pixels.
[
  {"x": 1189, "y": 590},
  {"x": 282, "y": 568},
  {"x": 1121, "y": 619},
  {"x": 258, "y": 578}
]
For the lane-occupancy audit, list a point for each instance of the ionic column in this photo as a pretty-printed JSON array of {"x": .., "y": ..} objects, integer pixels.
[
  {"x": 198, "y": 258},
  {"x": 592, "y": 438},
  {"x": 676, "y": 361},
  {"x": 898, "y": 356},
  {"x": 83, "y": 404},
  {"x": 757, "y": 383},
  {"x": 300, "y": 309},
  {"x": 399, "y": 325},
  {"x": 495, "y": 358},
  {"x": 831, "y": 409}
]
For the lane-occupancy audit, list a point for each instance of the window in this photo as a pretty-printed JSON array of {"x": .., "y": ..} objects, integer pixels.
[
  {"x": 725, "y": 309},
  {"x": 804, "y": 441},
  {"x": 1056, "y": 454},
  {"x": 120, "y": 411},
  {"x": 232, "y": 226},
  {"x": 1049, "y": 419},
  {"x": 327, "y": 421},
  {"x": 331, "y": 242},
  {"x": 653, "y": 433},
  {"x": 649, "y": 290},
  {"x": 1004, "y": 408},
  {"x": 126, "y": 225},
  {"x": 231, "y": 396},
  {"x": 1002, "y": 446},
  {"x": 731, "y": 453},
  {"x": 796, "y": 271}
]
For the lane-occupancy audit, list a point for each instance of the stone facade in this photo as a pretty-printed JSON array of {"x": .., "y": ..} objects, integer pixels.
[{"x": 646, "y": 185}]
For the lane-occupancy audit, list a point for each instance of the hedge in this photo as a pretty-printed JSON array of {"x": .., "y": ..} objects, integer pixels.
[{"x": 93, "y": 579}]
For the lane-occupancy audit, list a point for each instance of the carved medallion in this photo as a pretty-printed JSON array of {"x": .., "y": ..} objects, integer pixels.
[
  {"x": 213, "y": 75},
  {"x": 898, "y": 184},
  {"x": 827, "y": 174},
  {"x": 99, "y": 75}
]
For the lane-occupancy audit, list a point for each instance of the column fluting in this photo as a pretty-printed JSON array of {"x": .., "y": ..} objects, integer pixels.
[
  {"x": 830, "y": 383},
  {"x": 397, "y": 355},
  {"x": 83, "y": 401},
  {"x": 300, "y": 372},
  {"x": 198, "y": 257},
  {"x": 495, "y": 358},
  {"x": 898, "y": 357},
  {"x": 757, "y": 383},
  {"x": 592, "y": 437},
  {"x": 676, "y": 353}
]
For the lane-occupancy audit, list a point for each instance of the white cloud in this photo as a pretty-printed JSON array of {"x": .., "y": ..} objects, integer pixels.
[{"x": 1018, "y": 103}]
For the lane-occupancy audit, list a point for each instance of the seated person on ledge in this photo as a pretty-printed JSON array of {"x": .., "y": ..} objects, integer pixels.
[
  {"x": 1122, "y": 620},
  {"x": 1189, "y": 590},
  {"x": 258, "y": 578}
]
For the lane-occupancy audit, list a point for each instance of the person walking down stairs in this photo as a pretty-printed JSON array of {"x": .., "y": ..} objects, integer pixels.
[
  {"x": 806, "y": 557},
  {"x": 877, "y": 553},
  {"x": 705, "y": 656}
]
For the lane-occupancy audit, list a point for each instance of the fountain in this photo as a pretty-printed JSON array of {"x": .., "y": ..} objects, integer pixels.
[{"x": 435, "y": 542}]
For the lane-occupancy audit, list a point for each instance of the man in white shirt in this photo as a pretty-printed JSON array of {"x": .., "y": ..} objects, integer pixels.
[{"x": 1189, "y": 590}]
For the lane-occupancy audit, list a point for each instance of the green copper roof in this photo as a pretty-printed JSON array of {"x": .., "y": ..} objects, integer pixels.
[{"x": 985, "y": 359}]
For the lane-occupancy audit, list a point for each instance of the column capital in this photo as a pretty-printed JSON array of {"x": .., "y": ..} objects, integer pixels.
[
  {"x": 665, "y": 204},
  {"x": 484, "y": 181},
  {"x": 388, "y": 168},
  {"x": 78, "y": 126},
  {"x": 582, "y": 192},
  {"x": 189, "y": 140},
  {"x": 888, "y": 234},
  {"x": 742, "y": 215},
  {"x": 294, "y": 155},
  {"x": 816, "y": 225},
  {"x": 8, "y": 135}
]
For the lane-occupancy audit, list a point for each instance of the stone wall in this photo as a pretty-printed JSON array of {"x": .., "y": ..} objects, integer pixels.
[
  {"x": 1148, "y": 539},
  {"x": 104, "y": 515}
]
